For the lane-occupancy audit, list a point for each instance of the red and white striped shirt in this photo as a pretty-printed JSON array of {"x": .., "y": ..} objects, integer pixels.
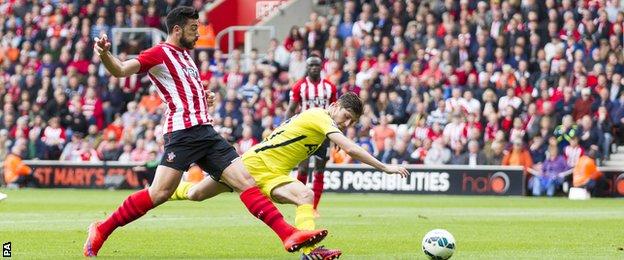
[
  {"x": 573, "y": 154},
  {"x": 176, "y": 77},
  {"x": 53, "y": 136},
  {"x": 490, "y": 131},
  {"x": 421, "y": 132},
  {"x": 311, "y": 95}
]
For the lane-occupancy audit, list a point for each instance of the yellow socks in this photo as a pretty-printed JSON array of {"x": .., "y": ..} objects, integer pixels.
[
  {"x": 181, "y": 193},
  {"x": 304, "y": 220}
]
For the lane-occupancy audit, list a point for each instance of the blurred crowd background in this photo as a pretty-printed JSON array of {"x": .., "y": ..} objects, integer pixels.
[{"x": 511, "y": 82}]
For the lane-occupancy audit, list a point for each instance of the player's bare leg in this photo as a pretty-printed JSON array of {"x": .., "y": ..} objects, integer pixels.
[
  {"x": 136, "y": 205},
  {"x": 298, "y": 194},
  {"x": 295, "y": 193},
  {"x": 203, "y": 190},
  {"x": 237, "y": 177},
  {"x": 165, "y": 182}
]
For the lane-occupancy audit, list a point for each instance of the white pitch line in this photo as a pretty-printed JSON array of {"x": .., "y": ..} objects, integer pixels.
[{"x": 148, "y": 218}]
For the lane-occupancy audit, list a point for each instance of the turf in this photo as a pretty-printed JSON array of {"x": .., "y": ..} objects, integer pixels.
[{"x": 51, "y": 224}]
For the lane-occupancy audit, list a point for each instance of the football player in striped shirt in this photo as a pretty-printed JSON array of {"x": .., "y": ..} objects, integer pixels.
[
  {"x": 189, "y": 138},
  {"x": 313, "y": 92}
]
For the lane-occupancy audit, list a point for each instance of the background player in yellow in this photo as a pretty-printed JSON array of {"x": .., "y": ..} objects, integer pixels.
[{"x": 271, "y": 161}]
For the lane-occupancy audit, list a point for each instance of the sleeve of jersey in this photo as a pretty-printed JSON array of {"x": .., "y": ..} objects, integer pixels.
[
  {"x": 295, "y": 93},
  {"x": 322, "y": 123},
  {"x": 150, "y": 58}
]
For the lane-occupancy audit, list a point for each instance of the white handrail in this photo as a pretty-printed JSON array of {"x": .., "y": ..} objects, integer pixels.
[{"x": 230, "y": 33}]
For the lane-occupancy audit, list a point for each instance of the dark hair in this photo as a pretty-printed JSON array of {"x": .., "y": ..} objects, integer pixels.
[
  {"x": 179, "y": 15},
  {"x": 351, "y": 102}
]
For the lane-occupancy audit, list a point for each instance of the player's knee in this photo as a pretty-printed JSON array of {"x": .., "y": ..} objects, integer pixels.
[
  {"x": 161, "y": 195},
  {"x": 247, "y": 181},
  {"x": 306, "y": 196},
  {"x": 242, "y": 182}
]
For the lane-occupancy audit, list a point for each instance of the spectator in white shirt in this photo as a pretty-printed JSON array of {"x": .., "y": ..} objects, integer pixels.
[
  {"x": 509, "y": 100},
  {"x": 470, "y": 104},
  {"x": 454, "y": 131},
  {"x": 438, "y": 154},
  {"x": 439, "y": 115},
  {"x": 363, "y": 25},
  {"x": 366, "y": 73},
  {"x": 297, "y": 66},
  {"x": 453, "y": 104}
]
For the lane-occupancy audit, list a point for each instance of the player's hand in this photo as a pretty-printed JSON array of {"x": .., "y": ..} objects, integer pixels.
[
  {"x": 392, "y": 169},
  {"x": 101, "y": 45},
  {"x": 210, "y": 98}
]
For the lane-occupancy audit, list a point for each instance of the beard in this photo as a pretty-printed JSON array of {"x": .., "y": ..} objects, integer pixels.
[{"x": 186, "y": 43}]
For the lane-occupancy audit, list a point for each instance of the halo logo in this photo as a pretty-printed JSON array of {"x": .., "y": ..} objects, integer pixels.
[
  {"x": 619, "y": 184},
  {"x": 497, "y": 183}
]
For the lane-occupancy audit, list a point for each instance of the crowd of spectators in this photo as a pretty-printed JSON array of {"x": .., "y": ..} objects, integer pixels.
[{"x": 500, "y": 82}]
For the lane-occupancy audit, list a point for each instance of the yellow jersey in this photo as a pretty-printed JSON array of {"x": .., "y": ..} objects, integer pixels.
[{"x": 294, "y": 140}]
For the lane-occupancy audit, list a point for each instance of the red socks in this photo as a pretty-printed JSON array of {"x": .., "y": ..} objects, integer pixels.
[
  {"x": 135, "y": 206},
  {"x": 317, "y": 187},
  {"x": 302, "y": 177},
  {"x": 262, "y": 208}
]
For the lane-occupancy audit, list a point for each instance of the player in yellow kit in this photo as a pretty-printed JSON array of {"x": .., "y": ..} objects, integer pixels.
[{"x": 271, "y": 162}]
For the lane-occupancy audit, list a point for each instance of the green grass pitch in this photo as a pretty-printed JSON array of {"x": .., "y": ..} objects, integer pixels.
[{"x": 51, "y": 224}]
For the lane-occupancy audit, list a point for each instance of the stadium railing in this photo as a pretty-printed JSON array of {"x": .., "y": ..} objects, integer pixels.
[{"x": 250, "y": 31}]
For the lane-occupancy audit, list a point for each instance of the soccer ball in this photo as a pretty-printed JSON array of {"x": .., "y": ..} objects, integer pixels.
[{"x": 438, "y": 244}]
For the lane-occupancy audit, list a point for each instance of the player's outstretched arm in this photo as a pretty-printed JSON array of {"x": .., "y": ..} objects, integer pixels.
[
  {"x": 116, "y": 67},
  {"x": 356, "y": 152},
  {"x": 292, "y": 109}
]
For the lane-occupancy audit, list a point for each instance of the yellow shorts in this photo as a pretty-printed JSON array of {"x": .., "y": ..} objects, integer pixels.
[{"x": 266, "y": 179}]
